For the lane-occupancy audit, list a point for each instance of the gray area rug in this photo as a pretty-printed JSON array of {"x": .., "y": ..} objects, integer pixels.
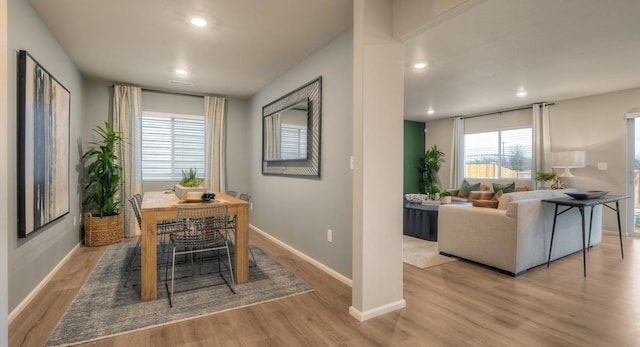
[
  {"x": 104, "y": 307},
  {"x": 422, "y": 253}
]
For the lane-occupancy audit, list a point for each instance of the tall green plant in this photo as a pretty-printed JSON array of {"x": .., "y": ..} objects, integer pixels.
[
  {"x": 429, "y": 165},
  {"x": 103, "y": 173}
]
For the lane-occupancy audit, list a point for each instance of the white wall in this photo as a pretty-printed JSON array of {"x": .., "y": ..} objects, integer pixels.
[
  {"x": 299, "y": 211},
  {"x": 4, "y": 172},
  {"x": 31, "y": 259},
  {"x": 595, "y": 124}
]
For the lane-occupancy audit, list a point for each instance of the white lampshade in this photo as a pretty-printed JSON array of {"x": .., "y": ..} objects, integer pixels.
[{"x": 568, "y": 159}]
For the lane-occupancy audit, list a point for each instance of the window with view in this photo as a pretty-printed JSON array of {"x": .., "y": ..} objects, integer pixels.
[
  {"x": 498, "y": 154},
  {"x": 172, "y": 143}
]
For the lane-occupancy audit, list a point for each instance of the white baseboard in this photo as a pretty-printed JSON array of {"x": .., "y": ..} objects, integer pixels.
[
  {"x": 23, "y": 304},
  {"x": 378, "y": 311},
  {"x": 313, "y": 262}
]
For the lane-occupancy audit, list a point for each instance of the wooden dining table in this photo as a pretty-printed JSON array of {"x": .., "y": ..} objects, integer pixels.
[{"x": 163, "y": 205}]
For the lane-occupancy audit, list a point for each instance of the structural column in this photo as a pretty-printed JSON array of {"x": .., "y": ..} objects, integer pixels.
[{"x": 378, "y": 96}]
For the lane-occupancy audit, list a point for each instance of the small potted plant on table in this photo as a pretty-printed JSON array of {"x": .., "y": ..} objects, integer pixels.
[
  {"x": 189, "y": 183},
  {"x": 445, "y": 197},
  {"x": 544, "y": 179}
]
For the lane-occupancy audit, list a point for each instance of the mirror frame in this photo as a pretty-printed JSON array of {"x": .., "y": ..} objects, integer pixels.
[{"x": 309, "y": 168}]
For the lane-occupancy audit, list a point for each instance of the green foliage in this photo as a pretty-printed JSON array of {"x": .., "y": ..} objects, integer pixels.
[
  {"x": 189, "y": 178},
  {"x": 446, "y": 193},
  {"x": 103, "y": 173},
  {"x": 433, "y": 192},
  {"x": 429, "y": 165},
  {"x": 545, "y": 176}
]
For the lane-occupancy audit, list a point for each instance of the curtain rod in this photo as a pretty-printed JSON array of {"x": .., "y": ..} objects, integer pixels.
[
  {"x": 504, "y": 110},
  {"x": 173, "y": 92}
]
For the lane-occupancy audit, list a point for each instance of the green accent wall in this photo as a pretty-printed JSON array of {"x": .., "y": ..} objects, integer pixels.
[{"x": 413, "y": 150}]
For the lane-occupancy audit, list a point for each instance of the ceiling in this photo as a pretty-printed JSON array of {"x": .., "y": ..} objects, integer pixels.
[
  {"x": 246, "y": 45},
  {"x": 478, "y": 59},
  {"x": 554, "y": 49}
]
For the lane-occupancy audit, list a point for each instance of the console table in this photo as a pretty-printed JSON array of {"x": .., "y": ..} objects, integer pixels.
[{"x": 571, "y": 203}]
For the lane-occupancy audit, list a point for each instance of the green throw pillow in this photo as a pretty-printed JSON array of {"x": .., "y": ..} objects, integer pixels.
[
  {"x": 506, "y": 188},
  {"x": 466, "y": 188}
]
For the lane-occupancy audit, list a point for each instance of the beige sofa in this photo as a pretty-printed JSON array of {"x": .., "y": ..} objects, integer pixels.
[{"x": 516, "y": 236}]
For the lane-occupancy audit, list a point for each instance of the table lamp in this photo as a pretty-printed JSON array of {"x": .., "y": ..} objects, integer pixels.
[{"x": 568, "y": 160}]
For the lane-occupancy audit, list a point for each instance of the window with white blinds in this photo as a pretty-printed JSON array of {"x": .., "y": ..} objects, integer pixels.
[
  {"x": 172, "y": 143},
  {"x": 293, "y": 142},
  {"x": 499, "y": 154}
]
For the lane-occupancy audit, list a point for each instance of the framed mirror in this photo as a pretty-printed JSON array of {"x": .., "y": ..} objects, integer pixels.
[
  {"x": 291, "y": 133},
  {"x": 285, "y": 133}
]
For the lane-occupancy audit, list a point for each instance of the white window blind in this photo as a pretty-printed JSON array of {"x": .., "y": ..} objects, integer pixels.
[
  {"x": 499, "y": 154},
  {"x": 172, "y": 143}
]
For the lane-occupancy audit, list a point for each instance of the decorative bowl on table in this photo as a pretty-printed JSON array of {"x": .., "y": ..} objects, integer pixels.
[
  {"x": 199, "y": 197},
  {"x": 415, "y": 198},
  {"x": 589, "y": 194}
]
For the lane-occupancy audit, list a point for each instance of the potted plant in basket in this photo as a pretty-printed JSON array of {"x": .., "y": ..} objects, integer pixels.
[
  {"x": 103, "y": 222},
  {"x": 190, "y": 182}
]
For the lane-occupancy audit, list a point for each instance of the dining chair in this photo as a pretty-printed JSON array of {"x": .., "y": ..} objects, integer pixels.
[
  {"x": 200, "y": 229},
  {"x": 164, "y": 228},
  {"x": 136, "y": 249}
]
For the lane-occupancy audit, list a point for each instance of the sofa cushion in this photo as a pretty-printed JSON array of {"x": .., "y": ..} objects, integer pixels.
[
  {"x": 466, "y": 188},
  {"x": 487, "y": 199},
  {"x": 484, "y": 203},
  {"x": 480, "y": 195},
  {"x": 506, "y": 188},
  {"x": 522, "y": 188}
]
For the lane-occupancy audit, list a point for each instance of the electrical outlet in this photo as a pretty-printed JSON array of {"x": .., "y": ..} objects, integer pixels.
[
  {"x": 75, "y": 221},
  {"x": 329, "y": 235},
  {"x": 602, "y": 166}
]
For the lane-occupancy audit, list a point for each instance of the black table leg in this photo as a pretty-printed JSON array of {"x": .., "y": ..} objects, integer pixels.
[
  {"x": 590, "y": 227},
  {"x": 553, "y": 232},
  {"x": 620, "y": 228},
  {"x": 584, "y": 254}
]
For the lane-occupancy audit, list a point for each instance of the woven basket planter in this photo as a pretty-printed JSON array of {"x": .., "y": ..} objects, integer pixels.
[{"x": 102, "y": 231}]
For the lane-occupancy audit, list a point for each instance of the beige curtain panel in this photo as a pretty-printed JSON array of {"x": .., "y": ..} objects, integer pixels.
[
  {"x": 215, "y": 147},
  {"x": 127, "y": 118}
]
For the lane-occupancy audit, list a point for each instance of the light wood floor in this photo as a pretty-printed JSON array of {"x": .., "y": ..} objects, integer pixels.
[{"x": 455, "y": 304}]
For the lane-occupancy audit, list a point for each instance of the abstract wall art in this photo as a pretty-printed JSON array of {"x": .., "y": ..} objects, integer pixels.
[{"x": 43, "y": 146}]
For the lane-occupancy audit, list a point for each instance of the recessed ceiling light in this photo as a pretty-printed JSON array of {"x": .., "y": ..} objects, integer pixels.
[
  {"x": 521, "y": 93},
  {"x": 420, "y": 65},
  {"x": 430, "y": 111},
  {"x": 181, "y": 72},
  {"x": 199, "y": 22}
]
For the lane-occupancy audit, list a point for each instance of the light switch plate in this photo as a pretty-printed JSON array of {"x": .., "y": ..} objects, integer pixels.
[{"x": 602, "y": 166}]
